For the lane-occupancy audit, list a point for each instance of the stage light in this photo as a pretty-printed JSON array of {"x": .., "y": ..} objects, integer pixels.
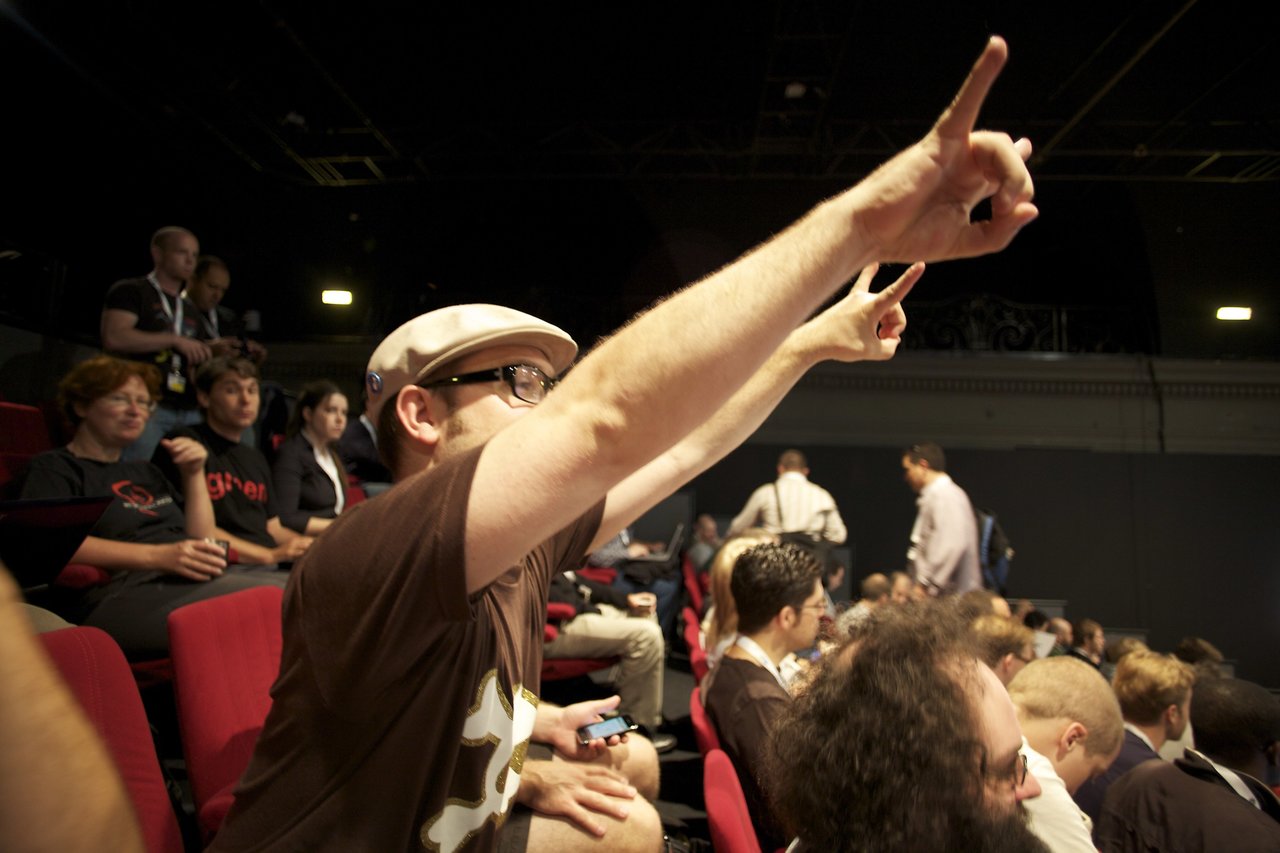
[
  {"x": 336, "y": 297},
  {"x": 1235, "y": 312}
]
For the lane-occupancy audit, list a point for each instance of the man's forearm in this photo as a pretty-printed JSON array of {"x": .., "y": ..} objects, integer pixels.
[
  {"x": 119, "y": 336},
  {"x": 726, "y": 429},
  {"x": 59, "y": 789}
]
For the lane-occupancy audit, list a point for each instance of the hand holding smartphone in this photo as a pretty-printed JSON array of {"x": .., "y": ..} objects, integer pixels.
[{"x": 606, "y": 728}]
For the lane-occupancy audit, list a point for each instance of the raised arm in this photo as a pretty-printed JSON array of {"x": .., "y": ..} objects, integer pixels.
[
  {"x": 671, "y": 369},
  {"x": 188, "y": 457},
  {"x": 861, "y": 326}
]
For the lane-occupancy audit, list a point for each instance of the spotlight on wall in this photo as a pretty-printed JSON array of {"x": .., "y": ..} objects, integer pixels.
[
  {"x": 336, "y": 297},
  {"x": 1235, "y": 312}
]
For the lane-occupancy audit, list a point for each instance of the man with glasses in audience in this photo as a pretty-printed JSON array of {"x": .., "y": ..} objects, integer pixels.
[
  {"x": 902, "y": 741},
  {"x": 780, "y": 599},
  {"x": 407, "y": 699}
]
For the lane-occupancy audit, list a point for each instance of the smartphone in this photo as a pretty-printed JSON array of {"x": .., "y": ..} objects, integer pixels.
[{"x": 607, "y": 728}]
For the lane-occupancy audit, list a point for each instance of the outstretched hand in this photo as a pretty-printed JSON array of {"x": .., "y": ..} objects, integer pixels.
[
  {"x": 863, "y": 326},
  {"x": 917, "y": 205}
]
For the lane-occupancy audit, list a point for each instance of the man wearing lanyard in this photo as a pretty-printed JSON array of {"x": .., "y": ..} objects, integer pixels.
[
  {"x": 147, "y": 319},
  {"x": 780, "y": 599}
]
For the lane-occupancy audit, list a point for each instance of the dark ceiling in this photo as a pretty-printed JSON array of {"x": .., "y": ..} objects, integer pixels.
[{"x": 583, "y": 158}]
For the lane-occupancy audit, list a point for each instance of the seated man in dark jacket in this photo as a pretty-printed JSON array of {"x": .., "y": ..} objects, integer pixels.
[
  {"x": 609, "y": 623},
  {"x": 1210, "y": 799}
]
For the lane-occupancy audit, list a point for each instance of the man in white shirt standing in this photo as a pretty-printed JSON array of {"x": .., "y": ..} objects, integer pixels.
[
  {"x": 944, "y": 539},
  {"x": 791, "y": 504}
]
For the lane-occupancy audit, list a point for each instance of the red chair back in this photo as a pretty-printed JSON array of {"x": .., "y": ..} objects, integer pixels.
[
  {"x": 23, "y": 430},
  {"x": 95, "y": 669},
  {"x": 703, "y": 731},
  {"x": 692, "y": 585},
  {"x": 226, "y": 656},
  {"x": 727, "y": 814},
  {"x": 693, "y": 639}
]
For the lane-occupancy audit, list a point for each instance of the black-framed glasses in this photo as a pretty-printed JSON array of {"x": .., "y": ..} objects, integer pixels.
[
  {"x": 1019, "y": 769},
  {"x": 527, "y": 383}
]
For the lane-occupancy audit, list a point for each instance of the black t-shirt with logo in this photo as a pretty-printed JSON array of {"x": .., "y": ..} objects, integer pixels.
[
  {"x": 239, "y": 480},
  {"x": 156, "y": 313},
  {"x": 144, "y": 510}
]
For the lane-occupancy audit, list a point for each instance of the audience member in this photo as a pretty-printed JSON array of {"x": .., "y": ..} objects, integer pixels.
[
  {"x": 1090, "y": 642},
  {"x": 1208, "y": 662},
  {"x": 1072, "y": 728},
  {"x": 976, "y": 602},
  {"x": 59, "y": 788},
  {"x": 720, "y": 625},
  {"x": 609, "y": 623},
  {"x": 903, "y": 741},
  {"x": 625, "y": 555},
  {"x": 1065, "y": 634},
  {"x": 778, "y": 591},
  {"x": 1023, "y": 608},
  {"x": 147, "y": 319},
  {"x": 1036, "y": 620},
  {"x": 359, "y": 449},
  {"x": 1212, "y": 798},
  {"x": 422, "y": 612},
  {"x": 1003, "y": 645},
  {"x": 794, "y": 508},
  {"x": 904, "y": 589},
  {"x": 1154, "y": 692},
  {"x": 238, "y": 476},
  {"x": 875, "y": 591},
  {"x": 310, "y": 479},
  {"x": 219, "y": 325},
  {"x": 159, "y": 555},
  {"x": 706, "y": 541},
  {"x": 944, "y": 539},
  {"x": 1200, "y": 653},
  {"x": 1117, "y": 649}
]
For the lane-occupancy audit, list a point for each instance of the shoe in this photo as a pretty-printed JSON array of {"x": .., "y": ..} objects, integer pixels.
[{"x": 662, "y": 742}]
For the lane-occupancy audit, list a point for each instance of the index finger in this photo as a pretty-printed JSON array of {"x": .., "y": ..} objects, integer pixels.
[{"x": 959, "y": 118}]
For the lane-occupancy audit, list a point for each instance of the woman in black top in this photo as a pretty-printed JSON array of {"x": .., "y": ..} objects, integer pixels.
[
  {"x": 156, "y": 545},
  {"x": 308, "y": 473}
]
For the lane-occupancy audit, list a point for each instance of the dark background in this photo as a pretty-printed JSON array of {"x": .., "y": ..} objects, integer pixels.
[{"x": 581, "y": 159}]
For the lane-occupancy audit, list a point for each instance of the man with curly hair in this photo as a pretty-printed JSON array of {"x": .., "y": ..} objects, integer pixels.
[{"x": 904, "y": 741}]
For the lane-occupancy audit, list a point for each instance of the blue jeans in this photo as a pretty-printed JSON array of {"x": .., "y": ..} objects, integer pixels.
[{"x": 162, "y": 420}]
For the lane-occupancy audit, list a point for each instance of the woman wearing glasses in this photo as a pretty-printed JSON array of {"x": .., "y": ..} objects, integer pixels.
[
  {"x": 155, "y": 545},
  {"x": 309, "y": 476}
]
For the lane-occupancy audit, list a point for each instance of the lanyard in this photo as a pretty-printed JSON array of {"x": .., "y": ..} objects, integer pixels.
[
  {"x": 164, "y": 303},
  {"x": 752, "y": 648}
]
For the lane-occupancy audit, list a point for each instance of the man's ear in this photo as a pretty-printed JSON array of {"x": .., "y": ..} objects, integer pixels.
[
  {"x": 202, "y": 399},
  {"x": 1273, "y": 753},
  {"x": 1072, "y": 736},
  {"x": 421, "y": 414}
]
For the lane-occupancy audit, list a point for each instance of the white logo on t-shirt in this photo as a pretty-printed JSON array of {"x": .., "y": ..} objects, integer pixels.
[{"x": 491, "y": 720}]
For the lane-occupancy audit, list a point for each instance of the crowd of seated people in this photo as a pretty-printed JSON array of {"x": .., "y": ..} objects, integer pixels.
[{"x": 406, "y": 711}]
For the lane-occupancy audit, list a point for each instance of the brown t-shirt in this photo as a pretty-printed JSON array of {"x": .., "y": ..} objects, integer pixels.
[{"x": 403, "y": 708}]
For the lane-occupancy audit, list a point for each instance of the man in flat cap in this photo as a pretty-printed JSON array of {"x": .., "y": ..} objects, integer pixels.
[{"x": 407, "y": 697}]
